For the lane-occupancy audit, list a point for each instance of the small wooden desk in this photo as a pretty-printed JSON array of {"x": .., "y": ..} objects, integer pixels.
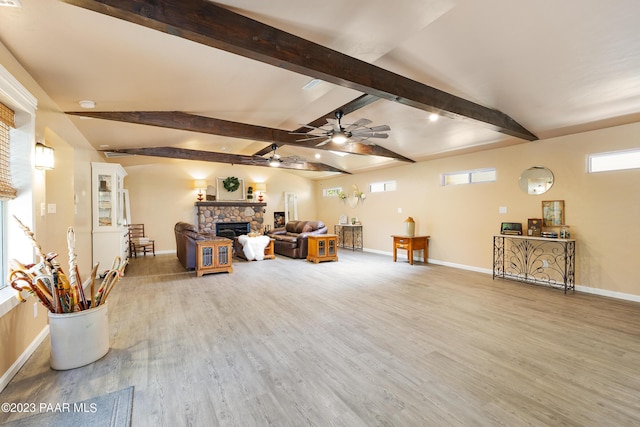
[{"x": 410, "y": 244}]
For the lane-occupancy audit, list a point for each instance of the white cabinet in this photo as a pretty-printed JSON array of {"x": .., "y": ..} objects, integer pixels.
[{"x": 110, "y": 233}]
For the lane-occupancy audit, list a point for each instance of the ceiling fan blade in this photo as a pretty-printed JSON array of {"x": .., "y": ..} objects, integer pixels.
[
  {"x": 314, "y": 127},
  {"x": 311, "y": 138},
  {"x": 357, "y": 124},
  {"x": 381, "y": 128},
  {"x": 379, "y": 135},
  {"x": 293, "y": 159},
  {"x": 367, "y": 134},
  {"x": 328, "y": 140}
]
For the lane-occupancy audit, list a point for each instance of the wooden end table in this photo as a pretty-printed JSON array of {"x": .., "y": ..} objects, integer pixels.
[
  {"x": 322, "y": 247},
  {"x": 410, "y": 244}
]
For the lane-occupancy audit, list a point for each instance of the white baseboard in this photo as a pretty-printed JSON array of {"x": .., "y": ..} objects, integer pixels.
[
  {"x": 168, "y": 251},
  {"x": 585, "y": 289},
  {"x": 606, "y": 293},
  {"x": 26, "y": 354}
]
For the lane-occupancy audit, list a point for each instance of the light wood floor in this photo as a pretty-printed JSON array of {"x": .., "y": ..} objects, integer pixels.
[{"x": 359, "y": 342}]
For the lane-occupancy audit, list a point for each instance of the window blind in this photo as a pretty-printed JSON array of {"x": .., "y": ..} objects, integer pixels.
[{"x": 6, "y": 121}]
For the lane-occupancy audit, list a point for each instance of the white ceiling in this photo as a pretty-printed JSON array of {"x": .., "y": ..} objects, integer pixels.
[{"x": 554, "y": 67}]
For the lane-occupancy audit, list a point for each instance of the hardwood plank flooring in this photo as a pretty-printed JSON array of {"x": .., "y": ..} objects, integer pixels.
[{"x": 359, "y": 342}]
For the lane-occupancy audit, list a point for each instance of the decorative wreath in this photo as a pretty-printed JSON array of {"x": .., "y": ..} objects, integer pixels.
[{"x": 231, "y": 184}]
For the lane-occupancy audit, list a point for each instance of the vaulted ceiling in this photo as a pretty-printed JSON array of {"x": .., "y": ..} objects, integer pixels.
[{"x": 172, "y": 78}]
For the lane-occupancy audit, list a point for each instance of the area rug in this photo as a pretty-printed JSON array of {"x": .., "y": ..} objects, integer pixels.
[{"x": 109, "y": 410}]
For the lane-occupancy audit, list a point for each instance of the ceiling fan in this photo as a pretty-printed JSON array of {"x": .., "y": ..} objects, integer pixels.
[
  {"x": 275, "y": 159},
  {"x": 335, "y": 132}
]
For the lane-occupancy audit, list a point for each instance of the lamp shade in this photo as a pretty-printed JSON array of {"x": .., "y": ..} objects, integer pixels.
[
  {"x": 199, "y": 183},
  {"x": 261, "y": 186},
  {"x": 44, "y": 156}
]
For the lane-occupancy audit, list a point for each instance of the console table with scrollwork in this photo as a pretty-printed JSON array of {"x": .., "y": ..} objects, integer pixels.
[
  {"x": 349, "y": 236},
  {"x": 538, "y": 260}
]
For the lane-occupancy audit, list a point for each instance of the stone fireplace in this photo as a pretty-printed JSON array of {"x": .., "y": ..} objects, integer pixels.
[{"x": 210, "y": 213}]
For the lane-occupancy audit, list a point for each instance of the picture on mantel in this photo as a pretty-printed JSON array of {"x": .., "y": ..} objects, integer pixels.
[
  {"x": 278, "y": 219},
  {"x": 237, "y": 186}
]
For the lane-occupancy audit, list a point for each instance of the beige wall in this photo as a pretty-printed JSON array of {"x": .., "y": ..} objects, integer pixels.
[
  {"x": 602, "y": 209},
  {"x": 161, "y": 192},
  {"x": 18, "y": 327}
]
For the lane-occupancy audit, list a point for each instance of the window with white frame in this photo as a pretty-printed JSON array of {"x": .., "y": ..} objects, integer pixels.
[
  {"x": 331, "y": 192},
  {"x": 468, "y": 177},
  {"x": 614, "y": 161},
  {"x": 379, "y": 187}
]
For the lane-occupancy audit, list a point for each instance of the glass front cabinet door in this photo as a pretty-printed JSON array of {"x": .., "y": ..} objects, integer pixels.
[
  {"x": 107, "y": 192},
  {"x": 109, "y": 232}
]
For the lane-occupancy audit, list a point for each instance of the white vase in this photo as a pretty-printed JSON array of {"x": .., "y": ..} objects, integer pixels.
[
  {"x": 409, "y": 227},
  {"x": 79, "y": 338}
]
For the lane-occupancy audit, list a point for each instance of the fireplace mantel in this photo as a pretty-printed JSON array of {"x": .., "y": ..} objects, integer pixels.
[{"x": 231, "y": 203}]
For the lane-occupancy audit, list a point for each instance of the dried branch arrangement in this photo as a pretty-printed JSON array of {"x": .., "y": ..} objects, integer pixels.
[{"x": 47, "y": 281}]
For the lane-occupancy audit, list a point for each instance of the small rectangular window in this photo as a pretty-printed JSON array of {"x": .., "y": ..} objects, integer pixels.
[
  {"x": 379, "y": 187},
  {"x": 467, "y": 177},
  {"x": 331, "y": 192},
  {"x": 614, "y": 161}
]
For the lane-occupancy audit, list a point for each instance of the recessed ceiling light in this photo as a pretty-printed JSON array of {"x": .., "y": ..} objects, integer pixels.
[
  {"x": 10, "y": 3},
  {"x": 433, "y": 117},
  {"x": 104, "y": 145},
  {"x": 318, "y": 156},
  {"x": 86, "y": 103}
]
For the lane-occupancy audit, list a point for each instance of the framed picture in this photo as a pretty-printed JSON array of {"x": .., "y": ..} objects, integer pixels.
[
  {"x": 278, "y": 219},
  {"x": 553, "y": 213},
  {"x": 534, "y": 227},
  {"x": 230, "y": 188}
]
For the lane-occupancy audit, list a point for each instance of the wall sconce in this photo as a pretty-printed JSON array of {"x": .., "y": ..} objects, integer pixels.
[
  {"x": 261, "y": 188},
  {"x": 200, "y": 185},
  {"x": 44, "y": 156}
]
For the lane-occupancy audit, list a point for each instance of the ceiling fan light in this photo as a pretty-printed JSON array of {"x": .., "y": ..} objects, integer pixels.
[
  {"x": 273, "y": 162},
  {"x": 339, "y": 138}
]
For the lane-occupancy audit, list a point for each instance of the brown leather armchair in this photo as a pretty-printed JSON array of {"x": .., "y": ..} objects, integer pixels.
[
  {"x": 291, "y": 240},
  {"x": 186, "y": 236}
]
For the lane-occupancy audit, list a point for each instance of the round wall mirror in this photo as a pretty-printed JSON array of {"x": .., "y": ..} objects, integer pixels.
[{"x": 536, "y": 180}]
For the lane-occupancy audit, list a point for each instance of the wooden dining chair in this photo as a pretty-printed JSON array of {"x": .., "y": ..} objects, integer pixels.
[{"x": 139, "y": 242}]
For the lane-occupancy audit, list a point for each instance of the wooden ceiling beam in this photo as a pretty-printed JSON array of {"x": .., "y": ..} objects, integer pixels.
[
  {"x": 190, "y": 122},
  {"x": 234, "y": 159},
  {"x": 204, "y": 22},
  {"x": 194, "y": 123}
]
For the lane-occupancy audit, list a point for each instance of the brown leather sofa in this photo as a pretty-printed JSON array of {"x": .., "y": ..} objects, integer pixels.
[
  {"x": 186, "y": 236},
  {"x": 291, "y": 240}
]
